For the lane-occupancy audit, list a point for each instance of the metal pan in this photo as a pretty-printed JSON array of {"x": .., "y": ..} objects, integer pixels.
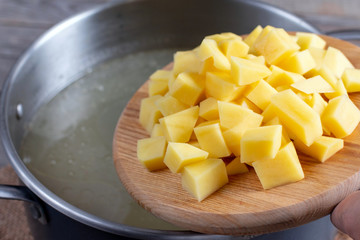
[{"x": 76, "y": 49}]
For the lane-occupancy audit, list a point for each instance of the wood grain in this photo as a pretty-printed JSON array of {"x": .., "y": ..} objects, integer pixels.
[{"x": 242, "y": 206}]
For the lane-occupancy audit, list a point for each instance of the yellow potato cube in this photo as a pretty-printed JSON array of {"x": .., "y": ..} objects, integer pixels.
[
  {"x": 219, "y": 86},
  {"x": 261, "y": 94},
  {"x": 311, "y": 85},
  {"x": 351, "y": 79},
  {"x": 233, "y": 135},
  {"x": 178, "y": 155},
  {"x": 236, "y": 167},
  {"x": 280, "y": 77},
  {"x": 151, "y": 151},
  {"x": 299, "y": 62},
  {"x": 275, "y": 46},
  {"x": 178, "y": 127},
  {"x": 257, "y": 59},
  {"x": 260, "y": 144},
  {"x": 186, "y": 61},
  {"x": 251, "y": 38},
  {"x": 204, "y": 178},
  {"x": 318, "y": 56},
  {"x": 209, "y": 49},
  {"x": 157, "y": 131},
  {"x": 207, "y": 66},
  {"x": 269, "y": 113},
  {"x": 149, "y": 112},
  {"x": 209, "y": 109},
  {"x": 158, "y": 84},
  {"x": 341, "y": 116},
  {"x": 297, "y": 116},
  {"x": 211, "y": 140},
  {"x": 188, "y": 88},
  {"x": 158, "y": 88},
  {"x": 285, "y": 168},
  {"x": 246, "y": 103},
  {"x": 309, "y": 40},
  {"x": 223, "y": 36},
  {"x": 285, "y": 139},
  {"x": 169, "y": 105},
  {"x": 233, "y": 47},
  {"x": 245, "y": 71},
  {"x": 336, "y": 61},
  {"x": 339, "y": 90},
  {"x": 322, "y": 149},
  {"x": 231, "y": 114},
  {"x": 317, "y": 103}
]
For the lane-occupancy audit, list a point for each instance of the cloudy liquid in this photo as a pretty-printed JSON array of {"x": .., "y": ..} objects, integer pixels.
[{"x": 69, "y": 145}]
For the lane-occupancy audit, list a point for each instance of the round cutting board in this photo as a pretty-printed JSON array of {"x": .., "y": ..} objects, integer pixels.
[{"x": 242, "y": 206}]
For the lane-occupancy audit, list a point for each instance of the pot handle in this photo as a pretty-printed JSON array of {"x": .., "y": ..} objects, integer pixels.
[
  {"x": 25, "y": 194},
  {"x": 349, "y": 34}
]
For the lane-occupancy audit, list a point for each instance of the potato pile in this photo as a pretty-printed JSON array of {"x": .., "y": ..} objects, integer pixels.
[{"x": 233, "y": 103}]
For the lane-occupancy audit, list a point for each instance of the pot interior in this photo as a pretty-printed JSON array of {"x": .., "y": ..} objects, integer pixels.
[{"x": 73, "y": 83}]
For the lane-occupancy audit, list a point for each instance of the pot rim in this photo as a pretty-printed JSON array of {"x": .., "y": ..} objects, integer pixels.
[{"x": 36, "y": 186}]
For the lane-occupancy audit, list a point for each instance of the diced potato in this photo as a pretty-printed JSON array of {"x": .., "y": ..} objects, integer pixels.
[
  {"x": 186, "y": 61},
  {"x": 322, "y": 149},
  {"x": 157, "y": 131},
  {"x": 207, "y": 66},
  {"x": 339, "y": 90},
  {"x": 246, "y": 103},
  {"x": 211, "y": 140},
  {"x": 204, "y": 178},
  {"x": 178, "y": 155},
  {"x": 168, "y": 105},
  {"x": 209, "y": 109},
  {"x": 261, "y": 143},
  {"x": 318, "y": 56},
  {"x": 285, "y": 168},
  {"x": 261, "y": 94},
  {"x": 297, "y": 116},
  {"x": 285, "y": 139},
  {"x": 351, "y": 79},
  {"x": 158, "y": 88},
  {"x": 160, "y": 75},
  {"x": 149, "y": 112},
  {"x": 245, "y": 71},
  {"x": 234, "y": 47},
  {"x": 233, "y": 135},
  {"x": 223, "y": 36},
  {"x": 188, "y": 88},
  {"x": 250, "y": 39},
  {"x": 209, "y": 49},
  {"x": 311, "y": 85},
  {"x": 158, "y": 84},
  {"x": 236, "y": 167},
  {"x": 219, "y": 86},
  {"x": 269, "y": 113},
  {"x": 341, "y": 116},
  {"x": 151, "y": 151},
  {"x": 309, "y": 40},
  {"x": 336, "y": 61},
  {"x": 317, "y": 103},
  {"x": 280, "y": 77},
  {"x": 299, "y": 62},
  {"x": 258, "y": 59},
  {"x": 178, "y": 127},
  {"x": 275, "y": 46},
  {"x": 231, "y": 114}
]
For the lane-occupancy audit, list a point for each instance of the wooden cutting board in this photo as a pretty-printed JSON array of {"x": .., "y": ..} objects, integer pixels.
[{"x": 242, "y": 206}]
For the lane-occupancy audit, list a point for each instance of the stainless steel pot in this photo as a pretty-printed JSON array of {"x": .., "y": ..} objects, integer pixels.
[{"x": 68, "y": 50}]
